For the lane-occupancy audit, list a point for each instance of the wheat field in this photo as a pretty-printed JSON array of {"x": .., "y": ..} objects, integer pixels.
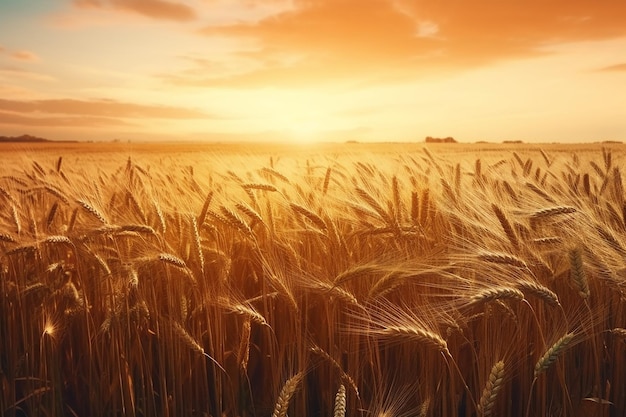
[{"x": 359, "y": 280}]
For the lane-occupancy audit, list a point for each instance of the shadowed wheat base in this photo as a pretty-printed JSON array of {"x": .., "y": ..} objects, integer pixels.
[{"x": 221, "y": 281}]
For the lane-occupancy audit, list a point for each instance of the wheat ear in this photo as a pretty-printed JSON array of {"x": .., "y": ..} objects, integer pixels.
[
  {"x": 260, "y": 186},
  {"x": 578, "y": 272},
  {"x": 552, "y": 211},
  {"x": 553, "y": 353},
  {"x": 314, "y": 218},
  {"x": 92, "y": 210},
  {"x": 326, "y": 180},
  {"x": 619, "y": 332},
  {"x": 490, "y": 393},
  {"x": 340, "y": 402},
  {"x": 506, "y": 226},
  {"x": 172, "y": 260},
  {"x": 496, "y": 293},
  {"x": 7, "y": 238},
  {"x": 539, "y": 291},
  {"x": 502, "y": 258},
  {"x": 280, "y": 409},
  {"x": 419, "y": 334}
]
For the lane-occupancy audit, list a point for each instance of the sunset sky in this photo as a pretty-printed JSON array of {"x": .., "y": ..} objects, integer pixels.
[{"x": 306, "y": 70}]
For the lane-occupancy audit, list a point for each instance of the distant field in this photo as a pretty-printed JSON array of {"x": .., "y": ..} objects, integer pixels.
[{"x": 369, "y": 279}]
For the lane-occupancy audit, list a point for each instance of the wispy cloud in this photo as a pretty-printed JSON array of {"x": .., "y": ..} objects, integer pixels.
[
  {"x": 90, "y": 114},
  {"x": 25, "y": 56},
  {"x": 101, "y": 108},
  {"x": 20, "y": 55},
  {"x": 616, "y": 67},
  {"x": 8, "y": 118},
  {"x": 12, "y": 72},
  {"x": 155, "y": 9}
]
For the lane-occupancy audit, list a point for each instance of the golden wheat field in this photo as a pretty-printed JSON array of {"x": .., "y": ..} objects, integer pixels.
[{"x": 329, "y": 281}]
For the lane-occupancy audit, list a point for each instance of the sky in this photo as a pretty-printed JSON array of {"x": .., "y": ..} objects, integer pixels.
[{"x": 313, "y": 70}]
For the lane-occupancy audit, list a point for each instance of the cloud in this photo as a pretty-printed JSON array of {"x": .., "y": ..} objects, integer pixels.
[
  {"x": 25, "y": 56},
  {"x": 616, "y": 67},
  {"x": 349, "y": 40},
  {"x": 97, "y": 114},
  {"x": 7, "y": 118},
  {"x": 21, "y": 55},
  {"x": 155, "y": 9},
  {"x": 12, "y": 72},
  {"x": 100, "y": 108}
]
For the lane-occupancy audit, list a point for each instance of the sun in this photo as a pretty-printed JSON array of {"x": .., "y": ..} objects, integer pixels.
[{"x": 305, "y": 130}]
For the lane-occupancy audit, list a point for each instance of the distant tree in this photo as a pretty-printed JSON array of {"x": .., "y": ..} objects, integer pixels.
[{"x": 449, "y": 139}]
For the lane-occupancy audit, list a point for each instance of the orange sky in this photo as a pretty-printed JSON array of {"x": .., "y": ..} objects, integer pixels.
[{"x": 305, "y": 70}]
